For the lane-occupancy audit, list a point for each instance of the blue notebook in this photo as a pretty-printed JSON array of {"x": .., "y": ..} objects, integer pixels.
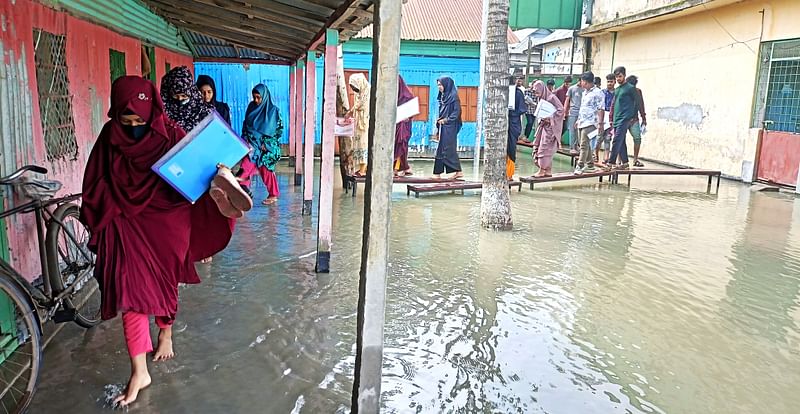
[{"x": 190, "y": 165}]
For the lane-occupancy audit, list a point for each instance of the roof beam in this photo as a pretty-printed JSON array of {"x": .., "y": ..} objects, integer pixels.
[
  {"x": 280, "y": 49},
  {"x": 244, "y": 60},
  {"x": 254, "y": 12},
  {"x": 292, "y": 7},
  {"x": 337, "y": 14},
  {"x": 186, "y": 18}
]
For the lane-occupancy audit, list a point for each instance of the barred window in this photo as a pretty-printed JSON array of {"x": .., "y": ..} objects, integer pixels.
[
  {"x": 116, "y": 63},
  {"x": 777, "y": 99},
  {"x": 55, "y": 102}
]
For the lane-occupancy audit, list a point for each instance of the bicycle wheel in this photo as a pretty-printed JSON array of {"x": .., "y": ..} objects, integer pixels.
[
  {"x": 20, "y": 347},
  {"x": 69, "y": 262}
]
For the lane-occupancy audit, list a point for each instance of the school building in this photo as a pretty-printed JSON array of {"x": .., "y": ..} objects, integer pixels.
[
  {"x": 59, "y": 60},
  {"x": 720, "y": 78}
]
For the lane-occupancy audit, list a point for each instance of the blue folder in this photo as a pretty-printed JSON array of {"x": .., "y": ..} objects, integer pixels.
[{"x": 190, "y": 165}]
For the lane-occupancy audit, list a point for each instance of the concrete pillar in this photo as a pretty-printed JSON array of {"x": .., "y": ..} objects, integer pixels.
[
  {"x": 292, "y": 117},
  {"x": 377, "y": 208},
  {"x": 325, "y": 219},
  {"x": 311, "y": 124},
  {"x": 298, "y": 123}
]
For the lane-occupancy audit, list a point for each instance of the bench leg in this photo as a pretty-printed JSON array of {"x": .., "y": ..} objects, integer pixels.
[
  {"x": 629, "y": 180},
  {"x": 708, "y": 188},
  {"x": 355, "y": 188},
  {"x": 416, "y": 194},
  {"x": 718, "y": 178}
]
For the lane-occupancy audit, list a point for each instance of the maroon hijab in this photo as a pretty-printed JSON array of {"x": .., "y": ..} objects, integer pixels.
[{"x": 118, "y": 179}]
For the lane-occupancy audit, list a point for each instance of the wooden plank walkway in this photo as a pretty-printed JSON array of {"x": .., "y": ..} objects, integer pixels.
[
  {"x": 671, "y": 171},
  {"x": 452, "y": 186},
  {"x": 614, "y": 175},
  {"x": 599, "y": 174},
  {"x": 353, "y": 182}
]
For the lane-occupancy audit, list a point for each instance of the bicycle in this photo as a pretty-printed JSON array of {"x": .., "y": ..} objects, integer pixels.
[{"x": 66, "y": 291}]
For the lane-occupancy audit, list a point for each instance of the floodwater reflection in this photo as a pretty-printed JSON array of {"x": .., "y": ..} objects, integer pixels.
[{"x": 603, "y": 299}]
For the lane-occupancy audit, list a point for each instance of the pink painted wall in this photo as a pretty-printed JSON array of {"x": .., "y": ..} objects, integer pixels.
[
  {"x": 87, "y": 57},
  {"x": 779, "y": 158}
]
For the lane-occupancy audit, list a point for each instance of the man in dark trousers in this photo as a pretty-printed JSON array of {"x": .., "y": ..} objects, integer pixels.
[{"x": 624, "y": 113}]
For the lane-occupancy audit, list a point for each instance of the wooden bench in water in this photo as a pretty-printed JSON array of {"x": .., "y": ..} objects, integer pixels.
[
  {"x": 568, "y": 177},
  {"x": 573, "y": 158},
  {"x": 670, "y": 171},
  {"x": 452, "y": 186},
  {"x": 352, "y": 181}
]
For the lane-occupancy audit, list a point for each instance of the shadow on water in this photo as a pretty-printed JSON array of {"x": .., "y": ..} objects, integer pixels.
[{"x": 603, "y": 299}]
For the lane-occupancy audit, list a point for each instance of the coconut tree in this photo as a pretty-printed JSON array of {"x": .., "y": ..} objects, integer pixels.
[{"x": 495, "y": 202}]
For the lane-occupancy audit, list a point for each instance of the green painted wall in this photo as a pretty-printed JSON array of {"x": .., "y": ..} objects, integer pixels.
[
  {"x": 130, "y": 17},
  {"x": 421, "y": 48}
]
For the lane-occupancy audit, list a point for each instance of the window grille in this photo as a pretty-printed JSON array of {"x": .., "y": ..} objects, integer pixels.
[
  {"x": 777, "y": 99},
  {"x": 55, "y": 101},
  {"x": 116, "y": 63}
]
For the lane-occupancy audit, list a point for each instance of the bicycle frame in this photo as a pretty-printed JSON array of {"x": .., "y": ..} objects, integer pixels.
[{"x": 42, "y": 217}]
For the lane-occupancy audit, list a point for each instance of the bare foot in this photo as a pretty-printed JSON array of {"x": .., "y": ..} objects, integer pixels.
[
  {"x": 270, "y": 200},
  {"x": 164, "y": 351},
  {"x": 437, "y": 176},
  {"x": 457, "y": 176},
  {"x": 138, "y": 382},
  {"x": 206, "y": 260}
]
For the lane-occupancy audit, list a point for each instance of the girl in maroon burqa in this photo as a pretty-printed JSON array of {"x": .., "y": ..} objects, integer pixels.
[
  {"x": 402, "y": 132},
  {"x": 146, "y": 236}
]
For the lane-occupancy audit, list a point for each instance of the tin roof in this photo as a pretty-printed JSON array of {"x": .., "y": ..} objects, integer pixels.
[
  {"x": 441, "y": 20},
  {"x": 275, "y": 30}
]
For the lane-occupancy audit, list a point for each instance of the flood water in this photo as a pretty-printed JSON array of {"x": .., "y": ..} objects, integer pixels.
[{"x": 654, "y": 298}]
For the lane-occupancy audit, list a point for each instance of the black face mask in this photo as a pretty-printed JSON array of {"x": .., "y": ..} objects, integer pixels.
[{"x": 137, "y": 132}]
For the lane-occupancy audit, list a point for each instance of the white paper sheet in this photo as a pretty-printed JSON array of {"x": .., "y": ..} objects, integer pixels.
[
  {"x": 345, "y": 127},
  {"x": 544, "y": 109},
  {"x": 407, "y": 110}
]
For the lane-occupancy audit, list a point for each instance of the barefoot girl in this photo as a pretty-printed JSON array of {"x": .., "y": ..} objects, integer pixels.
[{"x": 146, "y": 235}]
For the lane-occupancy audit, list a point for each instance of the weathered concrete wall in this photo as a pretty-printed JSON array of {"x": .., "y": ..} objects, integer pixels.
[
  {"x": 87, "y": 57},
  {"x": 561, "y": 52},
  {"x": 608, "y": 10},
  {"x": 698, "y": 75}
]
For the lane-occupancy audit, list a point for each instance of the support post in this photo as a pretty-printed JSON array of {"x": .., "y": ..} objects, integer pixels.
[
  {"x": 298, "y": 124},
  {"x": 292, "y": 117},
  {"x": 528, "y": 67},
  {"x": 325, "y": 218},
  {"x": 476, "y": 156},
  {"x": 311, "y": 124},
  {"x": 377, "y": 208}
]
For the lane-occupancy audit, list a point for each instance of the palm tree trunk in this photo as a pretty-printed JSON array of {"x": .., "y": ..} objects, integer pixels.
[{"x": 495, "y": 202}]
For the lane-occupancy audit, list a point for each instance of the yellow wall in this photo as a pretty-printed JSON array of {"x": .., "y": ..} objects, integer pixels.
[{"x": 697, "y": 74}]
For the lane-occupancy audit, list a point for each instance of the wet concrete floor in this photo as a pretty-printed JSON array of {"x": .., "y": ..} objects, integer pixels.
[{"x": 657, "y": 297}]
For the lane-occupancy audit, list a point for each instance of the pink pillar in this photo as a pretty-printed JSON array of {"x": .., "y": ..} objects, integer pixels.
[
  {"x": 311, "y": 124},
  {"x": 292, "y": 118},
  {"x": 326, "y": 172},
  {"x": 298, "y": 123}
]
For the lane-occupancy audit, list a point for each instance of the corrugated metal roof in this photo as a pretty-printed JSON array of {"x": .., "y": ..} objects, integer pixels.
[
  {"x": 557, "y": 35},
  {"x": 206, "y": 47},
  {"x": 442, "y": 20},
  {"x": 129, "y": 17},
  {"x": 285, "y": 28}
]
